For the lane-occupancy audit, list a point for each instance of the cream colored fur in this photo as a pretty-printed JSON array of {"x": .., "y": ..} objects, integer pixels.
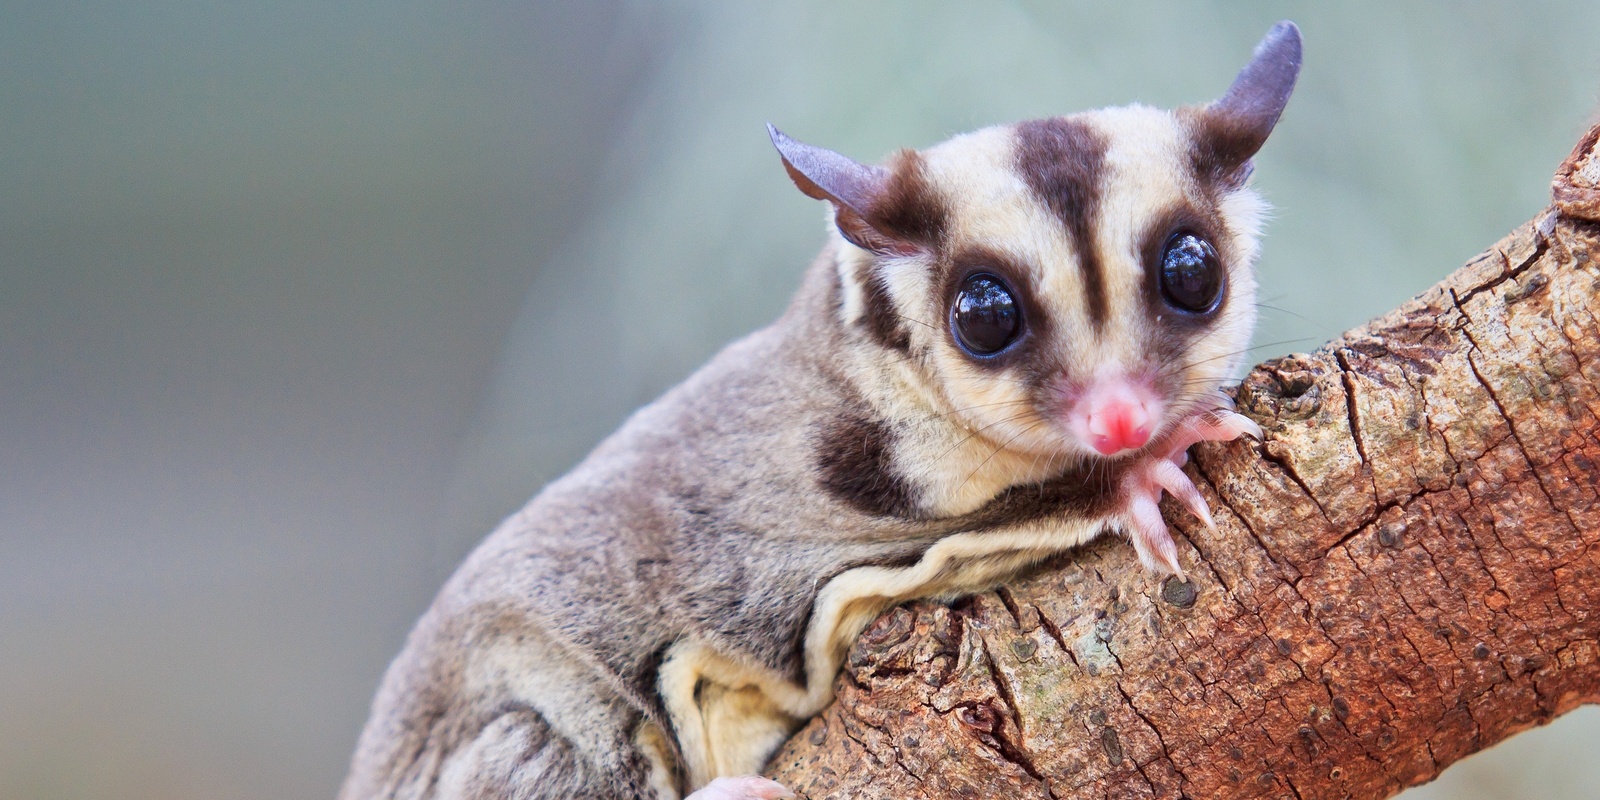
[
  {"x": 673, "y": 609},
  {"x": 1002, "y": 441},
  {"x": 732, "y": 716}
]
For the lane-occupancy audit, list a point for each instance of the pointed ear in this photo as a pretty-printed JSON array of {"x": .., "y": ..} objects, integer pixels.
[
  {"x": 1233, "y": 128},
  {"x": 852, "y": 188}
]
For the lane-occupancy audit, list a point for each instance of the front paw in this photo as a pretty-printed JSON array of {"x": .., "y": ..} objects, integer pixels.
[
  {"x": 1161, "y": 470},
  {"x": 744, "y": 787}
]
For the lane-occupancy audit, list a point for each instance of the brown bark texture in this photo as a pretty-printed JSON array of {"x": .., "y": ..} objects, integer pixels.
[{"x": 1405, "y": 571}]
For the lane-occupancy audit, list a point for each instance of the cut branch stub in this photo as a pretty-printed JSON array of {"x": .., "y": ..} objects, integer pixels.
[{"x": 1406, "y": 571}]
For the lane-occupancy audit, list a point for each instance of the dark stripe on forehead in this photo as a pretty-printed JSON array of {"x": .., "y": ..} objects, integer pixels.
[{"x": 1063, "y": 162}]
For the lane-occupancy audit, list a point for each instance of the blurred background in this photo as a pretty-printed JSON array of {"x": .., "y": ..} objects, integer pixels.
[{"x": 298, "y": 300}]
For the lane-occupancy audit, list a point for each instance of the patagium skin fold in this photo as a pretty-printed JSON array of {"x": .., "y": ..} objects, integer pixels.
[{"x": 1005, "y": 348}]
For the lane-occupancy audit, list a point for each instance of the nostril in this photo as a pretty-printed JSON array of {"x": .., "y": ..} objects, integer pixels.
[
  {"x": 1136, "y": 437},
  {"x": 1132, "y": 434},
  {"x": 1115, "y": 415},
  {"x": 1119, "y": 426}
]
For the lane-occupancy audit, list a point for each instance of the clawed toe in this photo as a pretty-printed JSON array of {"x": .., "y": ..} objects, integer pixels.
[
  {"x": 1170, "y": 477},
  {"x": 1219, "y": 425},
  {"x": 744, "y": 787},
  {"x": 1151, "y": 539},
  {"x": 1144, "y": 482}
]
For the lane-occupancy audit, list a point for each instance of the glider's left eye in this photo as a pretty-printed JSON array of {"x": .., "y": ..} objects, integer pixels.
[
  {"x": 1191, "y": 274},
  {"x": 985, "y": 316}
]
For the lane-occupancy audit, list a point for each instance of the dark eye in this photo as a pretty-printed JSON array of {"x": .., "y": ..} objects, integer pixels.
[
  {"x": 985, "y": 316},
  {"x": 1191, "y": 277}
]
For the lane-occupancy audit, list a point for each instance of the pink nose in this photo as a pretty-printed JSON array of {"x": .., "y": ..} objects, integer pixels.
[
  {"x": 1118, "y": 424},
  {"x": 1115, "y": 412}
]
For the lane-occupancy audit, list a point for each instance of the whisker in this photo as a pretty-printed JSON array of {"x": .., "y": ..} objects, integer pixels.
[
  {"x": 918, "y": 321},
  {"x": 975, "y": 432},
  {"x": 1299, "y": 316},
  {"x": 996, "y": 452},
  {"x": 1035, "y": 462},
  {"x": 954, "y": 411},
  {"x": 1190, "y": 364}
]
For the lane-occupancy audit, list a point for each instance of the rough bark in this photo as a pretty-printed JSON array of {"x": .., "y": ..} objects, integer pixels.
[{"x": 1404, "y": 572}]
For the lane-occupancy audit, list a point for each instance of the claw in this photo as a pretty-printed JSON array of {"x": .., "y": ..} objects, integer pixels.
[
  {"x": 1163, "y": 471},
  {"x": 1223, "y": 426},
  {"x": 748, "y": 787},
  {"x": 1168, "y": 476},
  {"x": 1151, "y": 540}
]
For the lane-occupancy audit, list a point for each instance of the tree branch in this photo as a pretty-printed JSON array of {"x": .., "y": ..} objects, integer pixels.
[{"x": 1406, "y": 571}]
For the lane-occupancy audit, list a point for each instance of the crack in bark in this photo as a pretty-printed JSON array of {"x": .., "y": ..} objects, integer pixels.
[
  {"x": 1348, "y": 378},
  {"x": 1268, "y": 456},
  {"x": 1010, "y": 603},
  {"x": 1291, "y": 582},
  {"x": 1244, "y": 522},
  {"x": 1011, "y": 751},
  {"x": 895, "y": 762},
  {"x": 1385, "y": 654},
  {"x": 1166, "y": 751},
  {"x": 1522, "y": 447},
  {"x": 1507, "y": 272},
  {"x": 1054, "y": 633},
  {"x": 1572, "y": 350}
]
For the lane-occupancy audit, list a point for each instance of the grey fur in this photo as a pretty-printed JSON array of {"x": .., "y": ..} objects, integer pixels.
[
  {"x": 761, "y": 512},
  {"x": 695, "y": 517},
  {"x": 651, "y": 537}
]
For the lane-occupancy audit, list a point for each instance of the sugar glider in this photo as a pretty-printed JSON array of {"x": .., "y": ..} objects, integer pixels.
[{"x": 1005, "y": 348}]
